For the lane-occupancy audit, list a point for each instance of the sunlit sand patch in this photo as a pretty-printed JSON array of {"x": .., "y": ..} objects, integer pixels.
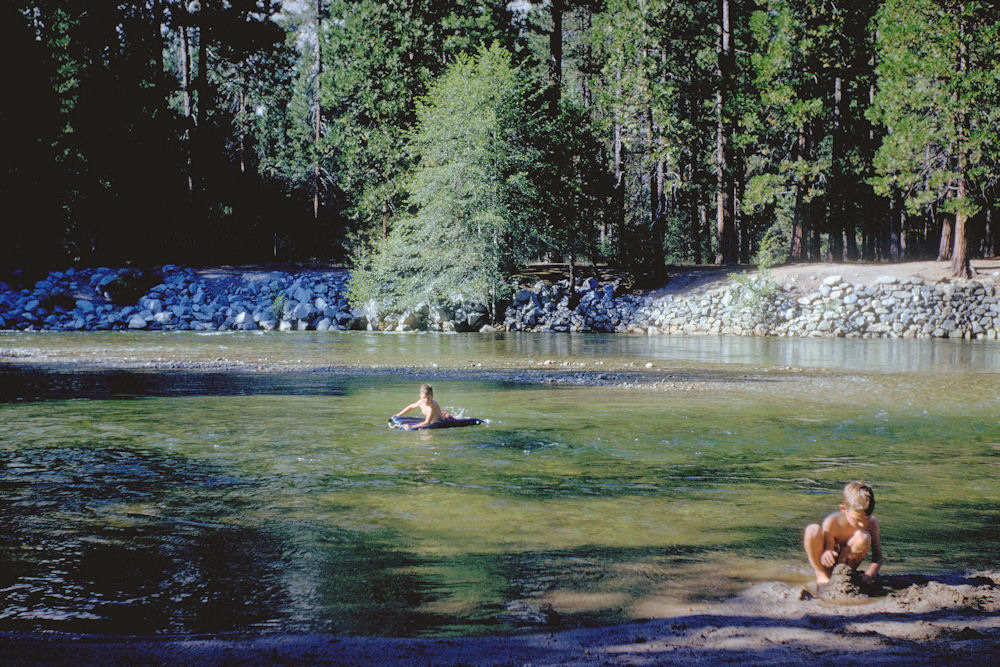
[
  {"x": 452, "y": 606},
  {"x": 684, "y": 588},
  {"x": 574, "y": 602},
  {"x": 911, "y": 630}
]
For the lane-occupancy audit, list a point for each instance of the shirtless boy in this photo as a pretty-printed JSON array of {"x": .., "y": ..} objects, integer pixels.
[
  {"x": 846, "y": 536},
  {"x": 432, "y": 411}
]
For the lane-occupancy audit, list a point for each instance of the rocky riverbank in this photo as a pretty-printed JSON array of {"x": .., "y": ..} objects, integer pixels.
[
  {"x": 172, "y": 298},
  {"x": 180, "y": 298}
]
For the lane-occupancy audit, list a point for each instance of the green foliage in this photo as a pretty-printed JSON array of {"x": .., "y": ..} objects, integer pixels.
[
  {"x": 772, "y": 248},
  {"x": 113, "y": 122},
  {"x": 572, "y": 183},
  {"x": 759, "y": 296},
  {"x": 379, "y": 57},
  {"x": 278, "y": 304},
  {"x": 470, "y": 194},
  {"x": 940, "y": 115}
]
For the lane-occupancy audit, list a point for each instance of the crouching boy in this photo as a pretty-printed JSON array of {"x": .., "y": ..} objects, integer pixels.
[{"x": 846, "y": 535}]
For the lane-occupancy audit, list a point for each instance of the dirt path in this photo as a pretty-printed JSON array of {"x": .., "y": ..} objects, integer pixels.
[{"x": 804, "y": 278}]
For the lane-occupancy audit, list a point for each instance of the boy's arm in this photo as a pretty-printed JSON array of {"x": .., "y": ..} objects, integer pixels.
[
  {"x": 829, "y": 555},
  {"x": 405, "y": 410},
  {"x": 425, "y": 422},
  {"x": 876, "y": 550}
]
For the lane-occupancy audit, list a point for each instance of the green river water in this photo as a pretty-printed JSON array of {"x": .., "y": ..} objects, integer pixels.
[{"x": 260, "y": 490}]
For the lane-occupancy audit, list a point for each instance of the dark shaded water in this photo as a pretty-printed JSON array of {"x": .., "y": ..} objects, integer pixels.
[{"x": 145, "y": 502}]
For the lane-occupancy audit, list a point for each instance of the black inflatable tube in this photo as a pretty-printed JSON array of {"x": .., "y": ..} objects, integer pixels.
[{"x": 400, "y": 422}]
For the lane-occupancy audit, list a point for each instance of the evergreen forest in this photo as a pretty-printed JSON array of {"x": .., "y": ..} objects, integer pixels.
[{"x": 434, "y": 143}]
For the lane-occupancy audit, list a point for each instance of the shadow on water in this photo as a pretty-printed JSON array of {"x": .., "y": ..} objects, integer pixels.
[
  {"x": 26, "y": 384},
  {"x": 117, "y": 541}
]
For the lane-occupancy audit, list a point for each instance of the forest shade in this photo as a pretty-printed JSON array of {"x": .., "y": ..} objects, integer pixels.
[{"x": 221, "y": 131}]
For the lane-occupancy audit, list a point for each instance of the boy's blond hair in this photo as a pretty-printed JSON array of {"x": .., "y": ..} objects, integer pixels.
[
  {"x": 860, "y": 497},
  {"x": 427, "y": 389}
]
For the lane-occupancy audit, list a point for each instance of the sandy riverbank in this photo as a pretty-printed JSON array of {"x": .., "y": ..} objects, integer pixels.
[{"x": 946, "y": 619}]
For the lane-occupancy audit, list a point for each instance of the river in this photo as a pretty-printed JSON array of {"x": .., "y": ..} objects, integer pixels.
[{"x": 190, "y": 483}]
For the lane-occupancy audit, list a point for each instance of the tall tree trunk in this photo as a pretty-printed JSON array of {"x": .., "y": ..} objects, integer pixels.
[
  {"x": 815, "y": 242},
  {"x": 837, "y": 198},
  {"x": 991, "y": 240},
  {"x": 897, "y": 220},
  {"x": 554, "y": 92},
  {"x": 586, "y": 24},
  {"x": 743, "y": 222},
  {"x": 317, "y": 184},
  {"x": 618, "y": 205},
  {"x": 201, "y": 87},
  {"x": 185, "y": 58},
  {"x": 796, "y": 250},
  {"x": 656, "y": 218},
  {"x": 199, "y": 169},
  {"x": 960, "y": 267},
  {"x": 157, "y": 26},
  {"x": 813, "y": 214},
  {"x": 241, "y": 123},
  {"x": 945, "y": 240},
  {"x": 690, "y": 192},
  {"x": 555, "y": 56},
  {"x": 724, "y": 213}
]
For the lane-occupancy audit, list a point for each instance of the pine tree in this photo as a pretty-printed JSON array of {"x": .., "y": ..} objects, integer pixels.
[
  {"x": 937, "y": 98},
  {"x": 472, "y": 192}
]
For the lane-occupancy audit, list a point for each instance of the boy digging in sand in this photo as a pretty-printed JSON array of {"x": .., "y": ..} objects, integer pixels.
[
  {"x": 432, "y": 411},
  {"x": 846, "y": 536}
]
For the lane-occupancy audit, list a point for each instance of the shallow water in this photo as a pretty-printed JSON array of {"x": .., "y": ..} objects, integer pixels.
[
  {"x": 214, "y": 501},
  {"x": 417, "y": 350}
]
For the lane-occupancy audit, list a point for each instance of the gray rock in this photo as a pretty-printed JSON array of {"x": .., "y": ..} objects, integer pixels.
[{"x": 137, "y": 322}]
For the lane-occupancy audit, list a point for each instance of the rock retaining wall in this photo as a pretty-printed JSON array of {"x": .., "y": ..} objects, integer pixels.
[
  {"x": 180, "y": 298},
  {"x": 890, "y": 308}
]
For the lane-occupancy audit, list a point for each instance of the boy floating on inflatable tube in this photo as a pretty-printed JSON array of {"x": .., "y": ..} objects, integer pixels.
[{"x": 432, "y": 411}]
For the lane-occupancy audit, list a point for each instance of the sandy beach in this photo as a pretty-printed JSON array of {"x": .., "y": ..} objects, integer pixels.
[{"x": 945, "y": 619}]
